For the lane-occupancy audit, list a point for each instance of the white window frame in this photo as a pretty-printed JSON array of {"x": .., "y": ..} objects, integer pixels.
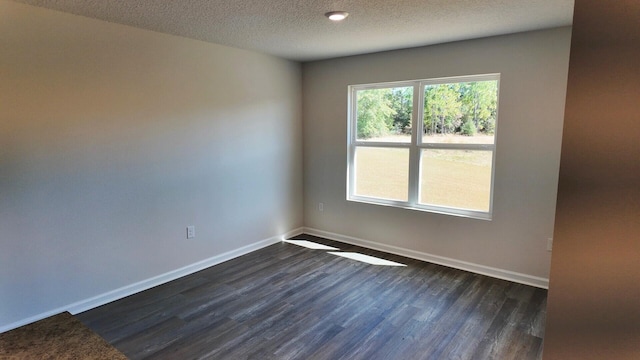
[{"x": 416, "y": 146}]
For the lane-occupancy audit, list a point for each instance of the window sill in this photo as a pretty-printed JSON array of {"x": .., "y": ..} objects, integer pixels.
[{"x": 469, "y": 214}]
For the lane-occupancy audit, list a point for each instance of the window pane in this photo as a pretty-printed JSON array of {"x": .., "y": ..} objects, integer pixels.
[
  {"x": 384, "y": 115},
  {"x": 456, "y": 178},
  {"x": 382, "y": 173},
  {"x": 460, "y": 113}
]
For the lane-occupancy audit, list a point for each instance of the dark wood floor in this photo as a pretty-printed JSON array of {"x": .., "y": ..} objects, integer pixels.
[{"x": 289, "y": 302}]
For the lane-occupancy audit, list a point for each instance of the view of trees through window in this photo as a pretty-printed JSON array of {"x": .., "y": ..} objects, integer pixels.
[
  {"x": 453, "y": 147},
  {"x": 458, "y": 109},
  {"x": 385, "y": 114}
]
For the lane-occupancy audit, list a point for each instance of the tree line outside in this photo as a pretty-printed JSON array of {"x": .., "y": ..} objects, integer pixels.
[{"x": 465, "y": 108}]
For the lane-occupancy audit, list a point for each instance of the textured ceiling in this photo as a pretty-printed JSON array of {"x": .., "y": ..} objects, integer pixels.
[{"x": 298, "y": 30}]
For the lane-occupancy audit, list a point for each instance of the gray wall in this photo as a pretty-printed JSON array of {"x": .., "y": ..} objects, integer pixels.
[
  {"x": 533, "y": 83},
  {"x": 594, "y": 295},
  {"x": 114, "y": 139}
]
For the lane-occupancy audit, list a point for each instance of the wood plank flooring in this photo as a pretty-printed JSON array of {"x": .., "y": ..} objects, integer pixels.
[{"x": 290, "y": 302}]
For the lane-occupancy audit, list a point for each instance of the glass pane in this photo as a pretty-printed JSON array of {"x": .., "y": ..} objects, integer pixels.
[
  {"x": 456, "y": 178},
  {"x": 382, "y": 173},
  {"x": 460, "y": 113},
  {"x": 384, "y": 115}
]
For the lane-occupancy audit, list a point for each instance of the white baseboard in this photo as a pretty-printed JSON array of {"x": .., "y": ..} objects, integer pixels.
[
  {"x": 440, "y": 260},
  {"x": 125, "y": 291}
]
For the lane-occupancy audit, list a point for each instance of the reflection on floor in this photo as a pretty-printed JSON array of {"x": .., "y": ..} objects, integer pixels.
[
  {"x": 367, "y": 259},
  {"x": 310, "y": 245}
]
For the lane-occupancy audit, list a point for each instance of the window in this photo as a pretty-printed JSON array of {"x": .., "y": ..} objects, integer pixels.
[{"x": 443, "y": 163}]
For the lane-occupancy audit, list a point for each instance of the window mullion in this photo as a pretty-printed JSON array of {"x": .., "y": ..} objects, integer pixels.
[
  {"x": 382, "y": 144},
  {"x": 461, "y": 146},
  {"x": 414, "y": 151},
  {"x": 352, "y": 130}
]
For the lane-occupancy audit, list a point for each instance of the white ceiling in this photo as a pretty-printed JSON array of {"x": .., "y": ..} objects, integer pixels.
[{"x": 298, "y": 30}]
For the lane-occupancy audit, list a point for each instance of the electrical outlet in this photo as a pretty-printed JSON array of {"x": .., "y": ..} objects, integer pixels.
[
  {"x": 191, "y": 232},
  {"x": 549, "y": 244},
  {"x": 320, "y": 207}
]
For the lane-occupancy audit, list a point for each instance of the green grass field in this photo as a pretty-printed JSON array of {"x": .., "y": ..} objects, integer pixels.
[{"x": 453, "y": 178}]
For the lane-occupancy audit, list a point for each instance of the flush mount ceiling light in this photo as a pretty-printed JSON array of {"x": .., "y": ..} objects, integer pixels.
[{"x": 337, "y": 15}]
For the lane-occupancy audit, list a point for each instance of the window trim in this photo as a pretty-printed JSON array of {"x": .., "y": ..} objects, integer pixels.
[{"x": 416, "y": 146}]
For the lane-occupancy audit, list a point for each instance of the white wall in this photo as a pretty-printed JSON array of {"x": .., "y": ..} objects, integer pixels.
[
  {"x": 114, "y": 139},
  {"x": 532, "y": 92}
]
